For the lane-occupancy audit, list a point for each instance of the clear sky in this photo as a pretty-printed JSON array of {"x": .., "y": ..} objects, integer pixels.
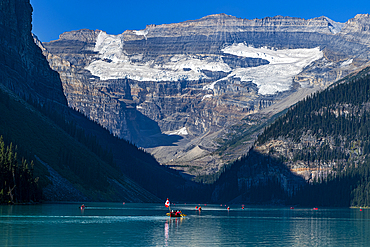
[{"x": 53, "y": 17}]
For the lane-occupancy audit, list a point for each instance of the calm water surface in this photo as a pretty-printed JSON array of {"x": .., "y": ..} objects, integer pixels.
[{"x": 118, "y": 224}]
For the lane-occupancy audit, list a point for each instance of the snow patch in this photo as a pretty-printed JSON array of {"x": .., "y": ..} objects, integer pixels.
[
  {"x": 181, "y": 62},
  {"x": 109, "y": 47},
  {"x": 211, "y": 86},
  {"x": 139, "y": 72},
  {"x": 335, "y": 27},
  {"x": 207, "y": 96},
  {"x": 141, "y": 32},
  {"x": 285, "y": 56},
  {"x": 346, "y": 63},
  {"x": 181, "y": 131}
]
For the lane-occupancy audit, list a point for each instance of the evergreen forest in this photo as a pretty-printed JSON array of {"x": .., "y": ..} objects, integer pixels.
[
  {"x": 337, "y": 118},
  {"x": 17, "y": 182}
]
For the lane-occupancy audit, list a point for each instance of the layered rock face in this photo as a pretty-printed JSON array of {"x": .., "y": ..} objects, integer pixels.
[
  {"x": 179, "y": 89},
  {"x": 357, "y": 29},
  {"x": 107, "y": 102}
]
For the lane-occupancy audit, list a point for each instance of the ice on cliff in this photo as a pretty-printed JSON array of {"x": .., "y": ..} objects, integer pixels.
[{"x": 271, "y": 78}]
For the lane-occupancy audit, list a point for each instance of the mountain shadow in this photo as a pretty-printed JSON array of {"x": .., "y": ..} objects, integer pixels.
[
  {"x": 256, "y": 179},
  {"x": 149, "y": 134}
]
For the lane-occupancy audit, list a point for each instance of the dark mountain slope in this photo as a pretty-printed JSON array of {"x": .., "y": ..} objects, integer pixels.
[
  {"x": 68, "y": 170},
  {"x": 75, "y": 158},
  {"x": 23, "y": 67}
]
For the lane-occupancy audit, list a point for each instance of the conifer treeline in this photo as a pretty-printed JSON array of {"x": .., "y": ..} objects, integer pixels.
[
  {"x": 341, "y": 112},
  {"x": 350, "y": 187},
  {"x": 17, "y": 184},
  {"x": 90, "y": 141}
]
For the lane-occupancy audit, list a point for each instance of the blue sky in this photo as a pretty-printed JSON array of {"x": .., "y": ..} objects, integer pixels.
[{"x": 53, "y": 17}]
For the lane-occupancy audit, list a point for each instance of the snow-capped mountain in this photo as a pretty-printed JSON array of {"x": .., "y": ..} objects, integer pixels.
[{"x": 178, "y": 89}]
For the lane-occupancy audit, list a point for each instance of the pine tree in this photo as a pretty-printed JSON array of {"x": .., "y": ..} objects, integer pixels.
[{"x": 17, "y": 184}]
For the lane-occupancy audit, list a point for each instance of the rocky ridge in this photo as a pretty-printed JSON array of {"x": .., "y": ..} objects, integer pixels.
[
  {"x": 21, "y": 60},
  {"x": 178, "y": 89}
]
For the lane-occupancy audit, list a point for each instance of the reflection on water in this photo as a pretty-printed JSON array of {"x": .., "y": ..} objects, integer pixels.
[
  {"x": 166, "y": 233},
  {"x": 171, "y": 226},
  {"x": 113, "y": 224}
]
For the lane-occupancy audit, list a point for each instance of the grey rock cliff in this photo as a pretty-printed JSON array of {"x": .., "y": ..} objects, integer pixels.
[{"x": 357, "y": 29}]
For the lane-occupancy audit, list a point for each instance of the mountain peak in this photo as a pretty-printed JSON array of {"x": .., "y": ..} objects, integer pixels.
[
  {"x": 358, "y": 29},
  {"x": 219, "y": 15},
  {"x": 358, "y": 16}
]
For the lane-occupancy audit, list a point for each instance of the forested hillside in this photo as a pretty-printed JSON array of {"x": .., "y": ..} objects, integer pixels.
[
  {"x": 338, "y": 117},
  {"x": 317, "y": 154},
  {"x": 328, "y": 132}
]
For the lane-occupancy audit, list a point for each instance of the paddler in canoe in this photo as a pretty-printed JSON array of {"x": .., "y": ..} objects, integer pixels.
[
  {"x": 172, "y": 213},
  {"x": 176, "y": 213}
]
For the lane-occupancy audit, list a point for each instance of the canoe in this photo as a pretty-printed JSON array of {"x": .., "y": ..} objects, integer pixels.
[{"x": 175, "y": 215}]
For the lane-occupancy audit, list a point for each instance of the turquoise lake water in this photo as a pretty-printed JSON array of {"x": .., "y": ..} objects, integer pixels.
[{"x": 118, "y": 224}]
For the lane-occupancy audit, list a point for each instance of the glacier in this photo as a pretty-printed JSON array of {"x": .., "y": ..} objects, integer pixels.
[
  {"x": 272, "y": 78},
  {"x": 278, "y": 74}
]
